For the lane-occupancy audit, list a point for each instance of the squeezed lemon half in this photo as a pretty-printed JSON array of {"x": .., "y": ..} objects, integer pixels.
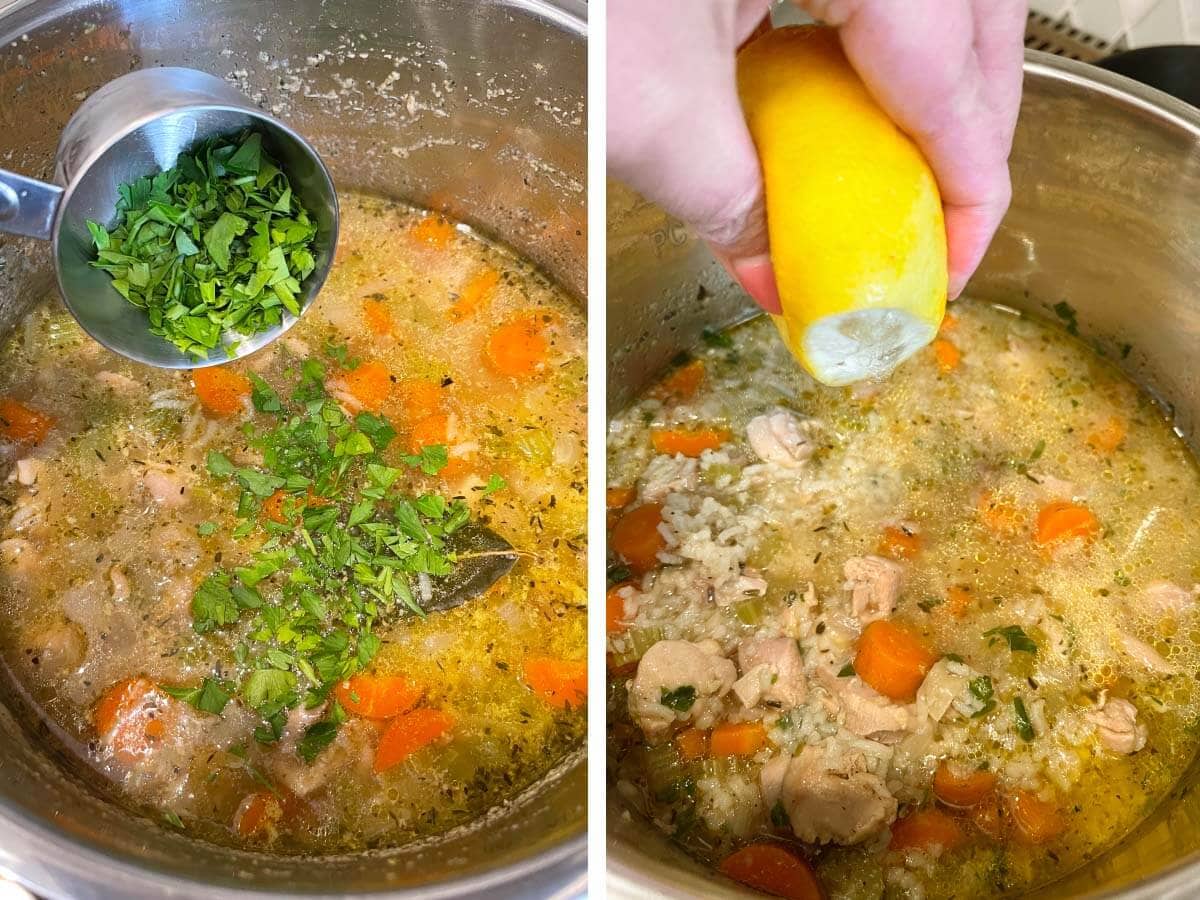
[{"x": 854, "y": 215}]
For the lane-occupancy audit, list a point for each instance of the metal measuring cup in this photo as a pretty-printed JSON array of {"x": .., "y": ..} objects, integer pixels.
[{"x": 137, "y": 125}]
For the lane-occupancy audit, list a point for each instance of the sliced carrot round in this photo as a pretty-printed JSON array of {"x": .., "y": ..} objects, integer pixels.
[
  {"x": 1038, "y": 821},
  {"x": 377, "y": 696},
  {"x": 773, "y": 870},
  {"x": 475, "y": 294},
  {"x": 257, "y": 812},
  {"x": 614, "y": 609},
  {"x": 434, "y": 231},
  {"x": 419, "y": 397},
  {"x": 220, "y": 390},
  {"x": 683, "y": 382},
  {"x": 370, "y": 385},
  {"x": 947, "y": 355},
  {"x": 998, "y": 515},
  {"x": 899, "y": 543},
  {"x": 737, "y": 739},
  {"x": 1109, "y": 436},
  {"x": 958, "y": 786},
  {"x": 22, "y": 423},
  {"x": 637, "y": 539},
  {"x": 560, "y": 682},
  {"x": 924, "y": 829},
  {"x": 690, "y": 442},
  {"x": 429, "y": 431},
  {"x": 892, "y": 659},
  {"x": 131, "y": 722},
  {"x": 1063, "y": 520},
  {"x": 408, "y": 733},
  {"x": 378, "y": 317},
  {"x": 619, "y": 497},
  {"x": 518, "y": 348}
]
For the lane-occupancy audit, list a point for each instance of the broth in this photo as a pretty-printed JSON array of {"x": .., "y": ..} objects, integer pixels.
[
  {"x": 116, "y": 521},
  {"x": 1004, "y": 522}
]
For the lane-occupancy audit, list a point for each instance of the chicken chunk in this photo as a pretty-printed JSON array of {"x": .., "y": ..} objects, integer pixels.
[
  {"x": 842, "y": 803},
  {"x": 874, "y": 584},
  {"x": 27, "y": 471},
  {"x": 679, "y": 681},
  {"x": 58, "y": 647},
  {"x": 775, "y": 667},
  {"x": 1165, "y": 598},
  {"x": 864, "y": 711},
  {"x": 165, "y": 487},
  {"x": 1117, "y": 725},
  {"x": 946, "y": 682},
  {"x": 782, "y": 438},
  {"x": 1145, "y": 655},
  {"x": 668, "y": 475}
]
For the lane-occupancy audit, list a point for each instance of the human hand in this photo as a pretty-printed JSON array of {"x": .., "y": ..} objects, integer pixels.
[{"x": 948, "y": 72}]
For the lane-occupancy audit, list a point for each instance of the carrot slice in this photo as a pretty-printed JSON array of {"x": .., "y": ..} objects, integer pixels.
[
  {"x": 892, "y": 659},
  {"x": 377, "y": 696},
  {"x": 475, "y": 293},
  {"x": 429, "y": 431},
  {"x": 999, "y": 516},
  {"x": 683, "y": 383},
  {"x": 924, "y": 829},
  {"x": 256, "y": 813},
  {"x": 899, "y": 543},
  {"x": 619, "y": 497},
  {"x": 221, "y": 391},
  {"x": 738, "y": 739},
  {"x": 419, "y": 397},
  {"x": 22, "y": 423},
  {"x": 434, "y": 231},
  {"x": 370, "y": 385},
  {"x": 518, "y": 348},
  {"x": 1062, "y": 520},
  {"x": 378, "y": 317},
  {"x": 949, "y": 323},
  {"x": 773, "y": 870},
  {"x": 614, "y": 609},
  {"x": 688, "y": 441},
  {"x": 131, "y": 727},
  {"x": 636, "y": 537},
  {"x": 1037, "y": 820},
  {"x": 408, "y": 733},
  {"x": 560, "y": 682},
  {"x": 692, "y": 743},
  {"x": 947, "y": 355},
  {"x": 955, "y": 786},
  {"x": 1108, "y": 437}
]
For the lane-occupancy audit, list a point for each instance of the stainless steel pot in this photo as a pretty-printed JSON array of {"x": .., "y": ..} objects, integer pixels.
[
  {"x": 473, "y": 107},
  {"x": 1106, "y": 216}
]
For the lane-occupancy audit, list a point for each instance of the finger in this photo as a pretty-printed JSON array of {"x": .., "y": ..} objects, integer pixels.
[{"x": 678, "y": 136}]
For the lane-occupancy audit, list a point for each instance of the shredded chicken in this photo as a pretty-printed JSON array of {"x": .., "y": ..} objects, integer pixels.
[
  {"x": 1165, "y": 598},
  {"x": 58, "y": 646},
  {"x": 840, "y": 802},
  {"x": 1145, "y": 655},
  {"x": 782, "y": 438},
  {"x": 865, "y": 712},
  {"x": 874, "y": 584},
  {"x": 27, "y": 471},
  {"x": 1117, "y": 725},
  {"x": 692, "y": 677},
  {"x": 772, "y": 671}
]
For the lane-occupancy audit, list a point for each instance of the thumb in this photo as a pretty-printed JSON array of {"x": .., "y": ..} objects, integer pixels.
[{"x": 676, "y": 132}]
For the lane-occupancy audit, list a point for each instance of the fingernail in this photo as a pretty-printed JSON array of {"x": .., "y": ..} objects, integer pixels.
[{"x": 756, "y": 275}]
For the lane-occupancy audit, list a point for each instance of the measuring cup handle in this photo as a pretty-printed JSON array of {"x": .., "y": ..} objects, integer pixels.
[{"x": 27, "y": 206}]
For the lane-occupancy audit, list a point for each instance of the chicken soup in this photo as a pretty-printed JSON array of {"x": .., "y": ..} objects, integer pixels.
[
  {"x": 331, "y": 596},
  {"x": 934, "y": 637}
]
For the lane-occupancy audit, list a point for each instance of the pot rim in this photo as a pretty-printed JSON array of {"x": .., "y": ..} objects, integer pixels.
[
  {"x": 559, "y": 870},
  {"x": 1178, "y": 880}
]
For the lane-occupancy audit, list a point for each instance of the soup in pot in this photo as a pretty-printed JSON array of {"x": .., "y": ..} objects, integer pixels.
[
  {"x": 328, "y": 597},
  {"x": 934, "y": 637}
]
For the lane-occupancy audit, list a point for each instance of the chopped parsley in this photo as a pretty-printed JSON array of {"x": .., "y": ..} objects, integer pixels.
[
  {"x": 929, "y": 603},
  {"x": 717, "y": 339},
  {"x": 779, "y": 816},
  {"x": 1018, "y": 640},
  {"x": 217, "y": 244},
  {"x": 981, "y": 690},
  {"x": 1024, "y": 724},
  {"x": 1066, "y": 312},
  {"x": 680, "y": 699},
  {"x": 846, "y": 671},
  {"x": 345, "y": 542}
]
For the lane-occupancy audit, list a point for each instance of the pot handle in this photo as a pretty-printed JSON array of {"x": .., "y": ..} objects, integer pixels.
[{"x": 27, "y": 206}]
